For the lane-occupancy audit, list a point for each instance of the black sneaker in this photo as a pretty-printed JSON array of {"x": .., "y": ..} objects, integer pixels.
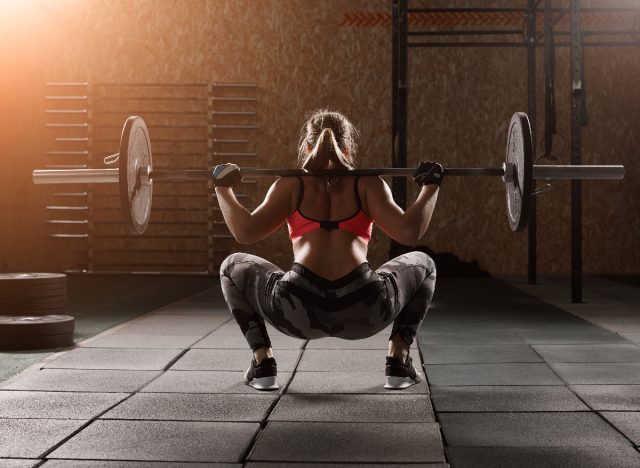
[
  {"x": 401, "y": 374},
  {"x": 263, "y": 376}
]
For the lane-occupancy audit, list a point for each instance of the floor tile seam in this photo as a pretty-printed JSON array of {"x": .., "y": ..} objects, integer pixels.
[
  {"x": 429, "y": 394},
  {"x": 229, "y": 320},
  {"x": 123, "y": 324},
  {"x": 551, "y": 299},
  {"x": 585, "y": 411},
  {"x": 246, "y": 454},
  {"x": 497, "y": 385},
  {"x": 568, "y": 386},
  {"x": 41, "y": 364},
  {"x": 81, "y": 428},
  {"x": 165, "y": 420},
  {"x": 135, "y": 392}
]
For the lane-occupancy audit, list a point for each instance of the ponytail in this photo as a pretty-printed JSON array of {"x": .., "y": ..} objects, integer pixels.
[
  {"x": 325, "y": 150},
  {"x": 327, "y": 137}
]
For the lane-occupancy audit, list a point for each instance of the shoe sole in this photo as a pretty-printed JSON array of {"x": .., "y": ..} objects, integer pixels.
[
  {"x": 399, "y": 383},
  {"x": 263, "y": 383}
]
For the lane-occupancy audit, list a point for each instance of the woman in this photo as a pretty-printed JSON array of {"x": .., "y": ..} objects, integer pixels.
[{"x": 330, "y": 290}]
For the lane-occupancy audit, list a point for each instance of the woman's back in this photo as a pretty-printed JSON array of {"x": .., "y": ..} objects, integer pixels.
[{"x": 330, "y": 253}]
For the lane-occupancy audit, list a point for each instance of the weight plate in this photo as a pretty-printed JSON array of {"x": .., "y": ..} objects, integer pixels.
[
  {"x": 28, "y": 325},
  {"x": 31, "y": 299},
  {"x": 520, "y": 154},
  {"x": 135, "y": 197},
  {"x": 29, "y": 309},
  {"x": 17, "y": 309},
  {"x": 32, "y": 292},
  {"x": 15, "y": 343},
  {"x": 32, "y": 279}
]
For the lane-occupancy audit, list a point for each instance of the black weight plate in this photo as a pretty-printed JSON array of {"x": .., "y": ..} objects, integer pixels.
[
  {"x": 36, "y": 342},
  {"x": 36, "y": 296},
  {"x": 135, "y": 151},
  {"x": 30, "y": 300},
  {"x": 28, "y": 279},
  {"x": 520, "y": 154},
  {"x": 36, "y": 309},
  {"x": 23, "y": 325},
  {"x": 7, "y": 288},
  {"x": 32, "y": 306},
  {"x": 33, "y": 310}
]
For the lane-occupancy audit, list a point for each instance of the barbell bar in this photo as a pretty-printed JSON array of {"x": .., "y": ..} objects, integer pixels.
[
  {"x": 110, "y": 176},
  {"x": 136, "y": 175}
]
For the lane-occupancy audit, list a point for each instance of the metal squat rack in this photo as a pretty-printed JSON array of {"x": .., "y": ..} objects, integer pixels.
[{"x": 527, "y": 37}]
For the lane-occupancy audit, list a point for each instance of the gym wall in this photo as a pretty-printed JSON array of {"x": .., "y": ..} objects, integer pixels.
[{"x": 304, "y": 55}]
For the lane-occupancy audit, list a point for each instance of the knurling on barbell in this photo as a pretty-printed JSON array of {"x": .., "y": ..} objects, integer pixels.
[{"x": 135, "y": 174}]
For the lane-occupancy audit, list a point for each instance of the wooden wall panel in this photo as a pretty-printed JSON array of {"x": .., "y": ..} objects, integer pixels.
[{"x": 304, "y": 55}]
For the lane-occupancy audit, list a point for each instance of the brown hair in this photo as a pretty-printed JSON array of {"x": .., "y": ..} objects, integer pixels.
[{"x": 327, "y": 136}]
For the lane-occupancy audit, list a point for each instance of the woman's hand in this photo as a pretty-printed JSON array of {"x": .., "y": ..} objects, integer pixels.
[
  {"x": 428, "y": 173},
  {"x": 226, "y": 175}
]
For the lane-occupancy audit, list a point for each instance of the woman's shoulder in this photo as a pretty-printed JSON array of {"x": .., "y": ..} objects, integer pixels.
[{"x": 371, "y": 182}]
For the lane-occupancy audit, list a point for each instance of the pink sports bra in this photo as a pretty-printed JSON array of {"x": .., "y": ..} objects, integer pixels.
[{"x": 359, "y": 223}]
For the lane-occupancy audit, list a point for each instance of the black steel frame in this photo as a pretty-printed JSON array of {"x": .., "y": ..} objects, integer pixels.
[{"x": 531, "y": 40}]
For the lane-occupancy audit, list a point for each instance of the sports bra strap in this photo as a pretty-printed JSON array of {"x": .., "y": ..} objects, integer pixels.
[
  {"x": 355, "y": 189},
  {"x": 300, "y": 193}
]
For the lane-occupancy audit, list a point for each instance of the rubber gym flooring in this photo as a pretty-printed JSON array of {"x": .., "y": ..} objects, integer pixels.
[{"x": 516, "y": 376}]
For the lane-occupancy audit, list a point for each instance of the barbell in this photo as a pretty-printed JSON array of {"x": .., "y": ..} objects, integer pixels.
[{"x": 135, "y": 173}]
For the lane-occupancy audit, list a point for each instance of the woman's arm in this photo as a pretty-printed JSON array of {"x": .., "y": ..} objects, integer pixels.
[
  {"x": 405, "y": 227},
  {"x": 250, "y": 227}
]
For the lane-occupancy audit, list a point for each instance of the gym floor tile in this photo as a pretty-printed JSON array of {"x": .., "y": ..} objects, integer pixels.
[
  {"x": 347, "y": 382},
  {"x": 230, "y": 359},
  {"x": 132, "y": 464},
  {"x": 488, "y": 337},
  {"x": 343, "y": 465},
  {"x": 232, "y": 327},
  {"x": 71, "y": 380},
  {"x": 379, "y": 341},
  {"x": 31, "y": 438},
  {"x": 634, "y": 337},
  {"x": 483, "y": 353},
  {"x": 571, "y": 335},
  {"x": 114, "y": 359},
  {"x": 193, "y": 407},
  {"x": 627, "y": 422},
  {"x": 19, "y": 462},
  {"x": 598, "y": 373},
  {"x": 505, "y": 398},
  {"x": 207, "y": 382},
  {"x": 172, "y": 325},
  {"x": 141, "y": 341},
  {"x": 56, "y": 405},
  {"x": 349, "y": 442},
  {"x": 214, "y": 308},
  {"x": 237, "y": 341},
  {"x": 610, "y": 397},
  {"x": 589, "y": 353},
  {"x": 353, "y": 408},
  {"x": 327, "y": 360},
  {"x": 491, "y": 374},
  {"x": 543, "y": 457},
  {"x": 528, "y": 430},
  {"x": 159, "y": 441},
  {"x": 621, "y": 324}
]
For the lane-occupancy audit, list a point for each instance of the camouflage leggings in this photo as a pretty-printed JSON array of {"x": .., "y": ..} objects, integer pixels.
[{"x": 304, "y": 305}]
